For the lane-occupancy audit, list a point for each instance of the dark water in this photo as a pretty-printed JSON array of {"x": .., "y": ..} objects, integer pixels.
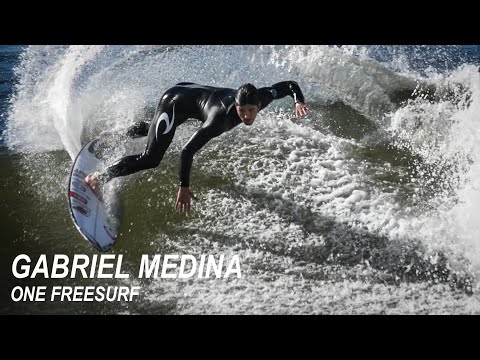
[
  {"x": 367, "y": 206},
  {"x": 9, "y": 57}
]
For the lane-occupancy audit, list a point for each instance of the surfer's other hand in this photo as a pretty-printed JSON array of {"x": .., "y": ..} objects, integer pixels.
[{"x": 184, "y": 197}]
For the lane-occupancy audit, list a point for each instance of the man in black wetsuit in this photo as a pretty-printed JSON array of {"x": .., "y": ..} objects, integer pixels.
[{"x": 220, "y": 110}]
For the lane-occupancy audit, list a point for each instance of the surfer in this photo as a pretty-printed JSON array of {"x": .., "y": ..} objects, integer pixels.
[{"x": 219, "y": 109}]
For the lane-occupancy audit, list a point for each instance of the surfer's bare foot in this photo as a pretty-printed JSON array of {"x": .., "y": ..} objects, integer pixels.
[{"x": 93, "y": 181}]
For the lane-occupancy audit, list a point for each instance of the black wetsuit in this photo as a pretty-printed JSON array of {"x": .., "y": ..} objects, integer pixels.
[{"x": 214, "y": 106}]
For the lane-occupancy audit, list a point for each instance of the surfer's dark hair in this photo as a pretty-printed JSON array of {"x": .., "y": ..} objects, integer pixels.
[{"x": 247, "y": 94}]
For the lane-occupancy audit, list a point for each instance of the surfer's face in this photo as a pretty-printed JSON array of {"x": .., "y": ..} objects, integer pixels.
[{"x": 247, "y": 113}]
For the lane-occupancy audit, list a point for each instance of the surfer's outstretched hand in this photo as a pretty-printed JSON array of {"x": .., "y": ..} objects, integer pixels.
[
  {"x": 301, "y": 109},
  {"x": 184, "y": 197}
]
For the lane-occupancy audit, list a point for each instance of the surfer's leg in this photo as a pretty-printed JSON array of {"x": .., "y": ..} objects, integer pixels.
[{"x": 160, "y": 136}]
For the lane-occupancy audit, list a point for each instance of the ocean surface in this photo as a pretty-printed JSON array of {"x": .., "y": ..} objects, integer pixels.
[{"x": 369, "y": 205}]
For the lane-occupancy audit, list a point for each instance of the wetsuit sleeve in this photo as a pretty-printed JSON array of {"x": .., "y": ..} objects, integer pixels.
[
  {"x": 210, "y": 129},
  {"x": 138, "y": 129},
  {"x": 280, "y": 90}
]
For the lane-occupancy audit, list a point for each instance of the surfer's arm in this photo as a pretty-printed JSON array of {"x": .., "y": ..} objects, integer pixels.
[
  {"x": 279, "y": 91},
  {"x": 210, "y": 129}
]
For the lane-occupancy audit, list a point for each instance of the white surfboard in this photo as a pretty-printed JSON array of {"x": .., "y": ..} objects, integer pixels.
[{"x": 97, "y": 221}]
